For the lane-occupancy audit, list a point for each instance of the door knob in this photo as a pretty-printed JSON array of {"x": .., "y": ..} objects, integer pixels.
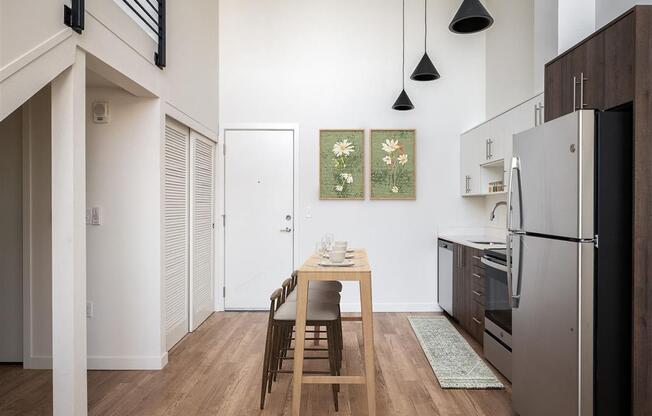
[{"x": 286, "y": 230}]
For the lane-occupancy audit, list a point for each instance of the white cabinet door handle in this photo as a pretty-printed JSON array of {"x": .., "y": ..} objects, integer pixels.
[{"x": 286, "y": 230}]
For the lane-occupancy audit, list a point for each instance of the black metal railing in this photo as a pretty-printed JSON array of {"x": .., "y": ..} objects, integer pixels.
[
  {"x": 73, "y": 15},
  {"x": 152, "y": 14}
]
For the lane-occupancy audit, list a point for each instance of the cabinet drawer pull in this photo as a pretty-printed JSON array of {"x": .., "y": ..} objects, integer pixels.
[
  {"x": 476, "y": 321},
  {"x": 476, "y": 257},
  {"x": 476, "y": 293},
  {"x": 477, "y": 276}
]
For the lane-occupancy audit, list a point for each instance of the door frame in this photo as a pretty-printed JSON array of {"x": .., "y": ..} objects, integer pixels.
[{"x": 220, "y": 276}]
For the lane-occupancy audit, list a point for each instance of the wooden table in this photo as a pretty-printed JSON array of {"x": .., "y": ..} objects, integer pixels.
[{"x": 360, "y": 272}]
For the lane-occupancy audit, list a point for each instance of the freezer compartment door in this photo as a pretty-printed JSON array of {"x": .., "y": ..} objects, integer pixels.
[
  {"x": 552, "y": 178},
  {"x": 546, "y": 340}
]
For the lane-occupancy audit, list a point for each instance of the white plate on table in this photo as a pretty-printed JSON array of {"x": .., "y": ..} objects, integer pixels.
[
  {"x": 327, "y": 263},
  {"x": 348, "y": 256}
]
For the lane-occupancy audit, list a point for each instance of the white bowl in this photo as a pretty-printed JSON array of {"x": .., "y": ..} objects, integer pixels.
[{"x": 337, "y": 256}]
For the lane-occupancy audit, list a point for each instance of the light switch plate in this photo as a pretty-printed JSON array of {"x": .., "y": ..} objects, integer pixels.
[
  {"x": 96, "y": 216},
  {"x": 88, "y": 216},
  {"x": 308, "y": 212}
]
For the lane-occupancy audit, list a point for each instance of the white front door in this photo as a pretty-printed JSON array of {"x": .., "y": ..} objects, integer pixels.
[{"x": 259, "y": 222}]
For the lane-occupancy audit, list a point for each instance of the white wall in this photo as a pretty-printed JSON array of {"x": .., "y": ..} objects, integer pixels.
[
  {"x": 607, "y": 10},
  {"x": 11, "y": 238},
  {"x": 25, "y": 24},
  {"x": 338, "y": 65},
  {"x": 545, "y": 38},
  {"x": 192, "y": 49},
  {"x": 510, "y": 55},
  {"x": 38, "y": 231},
  {"x": 576, "y": 21},
  {"x": 123, "y": 269}
]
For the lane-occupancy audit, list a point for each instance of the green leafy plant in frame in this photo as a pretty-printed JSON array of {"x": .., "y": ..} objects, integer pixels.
[
  {"x": 341, "y": 164},
  {"x": 393, "y": 164}
]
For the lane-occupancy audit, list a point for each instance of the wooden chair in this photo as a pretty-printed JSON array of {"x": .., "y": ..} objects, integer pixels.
[{"x": 282, "y": 317}]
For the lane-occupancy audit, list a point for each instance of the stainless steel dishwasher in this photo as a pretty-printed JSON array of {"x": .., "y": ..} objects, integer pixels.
[{"x": 445, "y": 276}]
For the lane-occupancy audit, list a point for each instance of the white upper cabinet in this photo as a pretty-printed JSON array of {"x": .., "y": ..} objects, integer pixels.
[
  {"x": 486, "y": 150},
  {"x": 470, "y": 146},
  {"x": 493, "y": 143}
]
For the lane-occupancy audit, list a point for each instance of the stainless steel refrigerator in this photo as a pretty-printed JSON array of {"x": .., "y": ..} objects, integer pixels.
[{"x": 569, "y": 265}]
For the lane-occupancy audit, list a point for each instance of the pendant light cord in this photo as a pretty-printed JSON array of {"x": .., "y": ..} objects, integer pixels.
[
  {"x": 403, "y": 78},
  {"x": 425, "y": 24}
]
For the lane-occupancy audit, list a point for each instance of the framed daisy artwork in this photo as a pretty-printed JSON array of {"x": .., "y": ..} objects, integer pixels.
[
  {"x": 341, "y": 164},
  {"x": 393, "y": 164}
]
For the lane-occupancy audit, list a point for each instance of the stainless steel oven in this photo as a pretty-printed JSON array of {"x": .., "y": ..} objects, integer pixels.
[{"x": 498, "y": 312}]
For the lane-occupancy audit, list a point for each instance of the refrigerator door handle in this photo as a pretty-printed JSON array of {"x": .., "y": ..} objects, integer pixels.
[
  {"x": 516, "y": 297},
  {"x": 508, "y": 252},
  {"x": 515, "y": 166}
]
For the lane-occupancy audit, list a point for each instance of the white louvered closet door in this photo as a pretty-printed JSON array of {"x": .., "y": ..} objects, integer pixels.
[
  {"x": 176, "y": 224},
  {"x": 201, "y": 226}
]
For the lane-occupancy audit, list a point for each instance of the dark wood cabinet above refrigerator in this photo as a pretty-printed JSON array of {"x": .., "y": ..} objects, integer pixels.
[{"x": 595, "y": 74}]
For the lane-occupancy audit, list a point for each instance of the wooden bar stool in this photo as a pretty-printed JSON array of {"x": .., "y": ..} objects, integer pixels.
[
  {"x": 281, "y": 323},
  {"x": 334, "y": 286},
  {"x": 324, "y": 295},
  {"x": 323, "y": 285}
]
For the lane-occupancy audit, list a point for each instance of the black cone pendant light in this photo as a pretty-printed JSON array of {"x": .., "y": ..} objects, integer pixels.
[
  {"x": 471, "y": 17},
  {"x": 403, "y": 102},
  {"x": 426, "y": 70}
]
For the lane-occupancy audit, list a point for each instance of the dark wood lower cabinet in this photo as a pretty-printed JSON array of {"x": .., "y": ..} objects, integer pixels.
[{"x": 468, "y": 290}]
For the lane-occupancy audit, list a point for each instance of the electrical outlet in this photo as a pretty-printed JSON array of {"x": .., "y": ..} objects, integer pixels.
[{"x": 89, "y": 309}]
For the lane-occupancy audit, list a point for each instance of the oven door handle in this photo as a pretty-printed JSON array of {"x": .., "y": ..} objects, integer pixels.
[{"x": 494, "y": 265}]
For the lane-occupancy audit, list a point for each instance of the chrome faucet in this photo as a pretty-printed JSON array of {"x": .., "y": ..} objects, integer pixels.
[{"x": 493, "y": 211}]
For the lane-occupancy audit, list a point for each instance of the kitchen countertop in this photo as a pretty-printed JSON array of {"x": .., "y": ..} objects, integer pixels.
[{"x": 467, "y": 240}]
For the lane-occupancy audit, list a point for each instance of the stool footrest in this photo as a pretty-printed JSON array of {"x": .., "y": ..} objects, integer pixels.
[{"x": 334, "y": 379}]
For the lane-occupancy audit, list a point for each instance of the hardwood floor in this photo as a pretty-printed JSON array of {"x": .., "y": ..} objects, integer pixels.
[{"x": 217, "y": 370}]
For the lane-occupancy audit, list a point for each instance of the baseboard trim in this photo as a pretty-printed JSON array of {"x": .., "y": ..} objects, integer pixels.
[
  {"x": 127, "y": 363},
  {"x": 394, "y": 307},
  {"x": 104, "y": 363},
  {"x": 378, "y": 307},
  {"x": 40, "y": 362}
]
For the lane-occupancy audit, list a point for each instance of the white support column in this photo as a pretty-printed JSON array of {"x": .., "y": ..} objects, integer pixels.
[{"x": 69, "y": 240}]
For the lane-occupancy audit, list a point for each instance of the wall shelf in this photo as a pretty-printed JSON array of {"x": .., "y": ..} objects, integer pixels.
[
  {"x": 494, "y": 163},
  {"x": 485, "y": 194}
]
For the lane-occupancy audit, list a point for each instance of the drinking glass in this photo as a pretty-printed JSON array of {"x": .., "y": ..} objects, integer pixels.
[
  {"x": 329, "y": 240},
  {"x": 322, "y": 247}
]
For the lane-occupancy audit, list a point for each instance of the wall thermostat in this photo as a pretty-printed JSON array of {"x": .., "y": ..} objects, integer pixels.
[{"x": 101, "y": 113}]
